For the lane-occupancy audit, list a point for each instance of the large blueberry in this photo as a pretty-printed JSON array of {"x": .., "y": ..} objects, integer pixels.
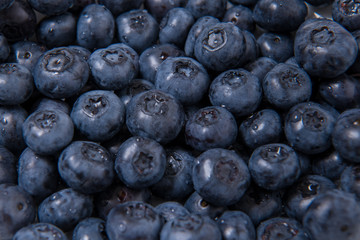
[
  {"x": 277, "y": 46},
  {"x": 346, "y": 12},
  {"x": 241, "y": 16}
]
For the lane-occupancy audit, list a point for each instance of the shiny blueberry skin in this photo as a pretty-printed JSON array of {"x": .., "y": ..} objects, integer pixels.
[
  {"x": 345, "y": 136},
  {"x": 184, "y": 78},
  {"x": 8, "y": 163},
  {"x": 286, "y": 85},
  {"x": 48, "y": 131},
  {"x": 86, "y": 167},
  {"x": 135, "y": 87},
  {"x": 200, "y": 8},
  {"x": 252, "y": 51},
  {"x": 140, "y": 162},
  {"x": 98, "y": 114},
  {"x": 220, "y": 176},
  {"x": 133, "y": 220},
  {"x": 38, "y": 174},
  {"x": 51, "y": 7},
  {"x": 138, "y": 29},
  {"x": 319, "y": 48},
  {"x": 191, "y": 227},
  {"x": 241, "y": 16},
  {"x": 113, "y": 67},
  {"x": 171, "y": 210},
  {"x": 281, "y": 228},
  {"x": 26, "y": 53},
  {"x": 11, "y": 122},
  {"x": 197, "y": 205},
  {"x": 237, "y": 90},
  {"x": 299, "y": 196},
  {"x": 4, "y": 48},
  {"x": 90, "y": 228},
  {"x": 337, "y": 212},
  {"x": 57, "y": 31},
  {"x": 277, "y": 46},
  {"x": 159, "y": 8},
  {"x": 95, "y": 27},
  {"x": 261, "y": 128},
  {"x": 329, "y": 164},
  {"x": 350, "y": 179},
  {"x": 18, "y": 21},
  {"x": 274, "y": 166},
  {"x": 260, "y": 67},
  {"x": 151, "y": 58},
  {"x": 17, "y": 209},
  {"x": 176, "y": 184},
  {"x": 221, "y": 47},
  {"x": 155, "y": 114},
  {"x": 119, "y": 6},
  {"x": 39, "y": 231},
  {"x": 308, "y": 127},
  {"x": 236, "y": 225},
  {"x": 211, "y": 127},
  {"x": 175, "y": 25},
  {"x": 60, "y": 73},
  {"x": 65, "y": 208},
  {"x": 347, "y": 13},
  {"x": 278, "y": 15},
  {"x": 342, "y": 92},
  {"x": 195, "y": 30},
  {"x": 16, "y": 84}
]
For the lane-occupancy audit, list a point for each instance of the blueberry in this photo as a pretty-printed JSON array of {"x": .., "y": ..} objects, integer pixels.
[
  {"x": 16, "y": 84},
  {"x": 138, "y": 29},
  {"x": 260, "y": 67},
  {"x": 191, "y": 227},
  {"x": 39, "y": 231},
  {"x": 95, "y": 27},
  {"x": 287, "y": 85},
  {"x": 26, "y": 53},
  {"x": 211, "y": 127},
  {"x": 51, "y": 7},
  {"x": 17, "y": 209},
  {"x": 277, "y": 46},
  {"x": 18, "y": 21},
  {"x": 329, "y": 164},
  {"x": 241, "y": 16},
  {"x": 155, "y": 114},
  {"x": 135, "y": 87},
  {"x": 319, "y": 48},
  {"x": 79, "y": 5},
  {"x": 337, "y": 212},
  {"x": 195, "y": 30},
  {"x": 116, "y": 60},
  {"x": 347, "y": 13},
  {"x": 195, "y": 204},
  {"x": 200, "y": 8},
  {"x": 171, "y": 210},
  {"x": 140, "y": 162},
  {"x": 90, "y": 228},
  {"x": 38, "y": 174},
  {"x": 60, "y": 65},
  {"x": 11, "y": 122},
  {"x": 48, "y": 131},
  {"x": 119, "y": 6},
  {"x": 133, "y": 220},
  {"x": 177, "y": 180},
  {"x": 349, "y": 180},
  {"x": 299, "y": 196},
  {"x": 308, "y": 127},
  {"x": 236, "y": 225},
  {"x": 7, "y": 166},
  {"x": 116, "y": 194},
  {"x": 220, "y": 176},
  {"x": 4, "y": 48},
  {"x": 98, "y": 114},
  {"x": 152, "y": 57},
  {"x": 281, "y": 228},
  {"x": 175, "y": 25},
  {"x": 280, "y": 16},
  {"x": 86, "y": 167},
  {"x": 261, "y": 128},
  {"x": 184, "y": 78},
  {"x": 159, "y": 8},
  {"x": 65, "y": 208},
  {"x": 57, "y": 31},
  {"x": 274, "y": 166},
  {"x": 237, "y": 90}
]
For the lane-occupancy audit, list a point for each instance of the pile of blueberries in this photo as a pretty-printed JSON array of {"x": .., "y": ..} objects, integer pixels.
[{"x": 179, "y": 120}]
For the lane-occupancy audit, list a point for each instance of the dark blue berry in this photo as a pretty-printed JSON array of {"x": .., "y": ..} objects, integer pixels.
[
  {"x": 200, "y": 8},
  {"x": 277, "y": 46},
  {"x": 171, "y": 210},
  {"x": 241, "y": 16},
  {"x": 135, "y": 87},
  {"x": 349, "y": 180},
  {"x": 51, "y": 7},
  {"x": 347, "y": 13},
  {"x": 90, "y": 228},
  {"x": 236, "y": 225}
]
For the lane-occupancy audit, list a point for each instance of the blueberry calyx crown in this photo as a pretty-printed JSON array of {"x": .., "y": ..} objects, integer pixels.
[
  {"x": 279, "y": 229},
  {"x": 174, "y": 164},
  {"x": 95, "y": 105},
  {"x": 45, "y": 119},
  {"x": 234, "y": 79},
  {"x": 155, "y": 104},
  {"x": 274, "y": 153},
  {"x": 139, "y": 211},
  {"x": 93, "y": 152},
  {"x": 114, "y": 57},
  {"x": 350, "y": 7},
  {"x": 226, "y": 170},
  {"x": 216, "y": 39},
  {"x": 188, "y": 222},
  {"x": 314, "y": 120},
  {"x": 322, "y": 36},
  {"x": 7, "y": 68},
  {"x": 59, "y": 60},
  {"x": 143, "y": 163},
  {"x": 208, "y": 117},
  {"x": 138, "y": 22},
  {"x": 291, "y": 79},
  {"x": 185, "y": 68}
]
